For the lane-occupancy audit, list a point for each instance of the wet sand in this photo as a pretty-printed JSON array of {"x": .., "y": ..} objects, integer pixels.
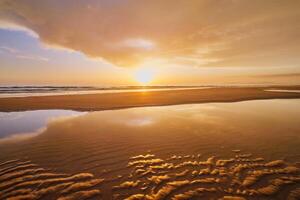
[
  {"x": 240, "y": 177},
  {"x": 94, "y": 102},
  {"x": 245, "y": 150}
]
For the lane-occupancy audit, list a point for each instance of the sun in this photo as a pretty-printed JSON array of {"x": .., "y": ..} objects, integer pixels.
[{"x": 144, "y": 76}]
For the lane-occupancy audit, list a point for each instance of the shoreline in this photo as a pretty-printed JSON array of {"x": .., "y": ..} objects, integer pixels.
[{"x": 112, "y": 101}]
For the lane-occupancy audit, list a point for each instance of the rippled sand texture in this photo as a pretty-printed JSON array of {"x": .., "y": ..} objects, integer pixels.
[
  {"x": 175, "y": 152},
  {"x": 25, "y": 180},
  {"x": 178, "y": 177},
  {"x": 184, "y": 177}
]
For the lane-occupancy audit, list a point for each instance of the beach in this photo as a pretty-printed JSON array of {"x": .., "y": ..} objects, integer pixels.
[
  {"x": 108, "y": 101},
  {"x": 149, "y": 100},
  {"x": 236, "y": 143}
]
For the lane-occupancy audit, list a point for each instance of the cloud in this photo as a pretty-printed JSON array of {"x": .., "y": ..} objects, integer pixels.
[
  {"x": 287, "y": 75},
  {"x": 32, "y": 57},
  {"x": 8, "y": 49},
  {"x": 139, "y": 44},
  {"x": 196, "y": 32},
  {"x": 22, "y": 55},
  {"x": 14, "y": 27}
]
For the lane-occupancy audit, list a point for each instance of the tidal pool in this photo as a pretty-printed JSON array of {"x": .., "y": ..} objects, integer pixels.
[
  {"x": 17, "y": 123},
  {"x": 247, "y": 149}
]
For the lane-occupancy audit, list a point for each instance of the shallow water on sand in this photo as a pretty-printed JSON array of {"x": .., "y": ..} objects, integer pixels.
[
  {"x": 247, "y": 149},
  {"x": 14, "y": 124}
]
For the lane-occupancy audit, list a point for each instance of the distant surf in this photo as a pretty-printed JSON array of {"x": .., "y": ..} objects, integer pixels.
[{"x": 24, "y": 91}]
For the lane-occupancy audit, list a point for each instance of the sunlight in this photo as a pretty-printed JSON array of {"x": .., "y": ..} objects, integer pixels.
[{"x": 144, "y": 76}]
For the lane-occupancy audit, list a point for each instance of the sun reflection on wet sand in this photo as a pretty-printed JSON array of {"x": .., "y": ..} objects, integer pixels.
[{"x": 247, "y": 150}]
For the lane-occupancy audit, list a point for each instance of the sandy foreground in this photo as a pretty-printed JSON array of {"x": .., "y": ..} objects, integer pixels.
[
  {"x": 211, "y": 152},
  {"x": 94, "y": 102}
]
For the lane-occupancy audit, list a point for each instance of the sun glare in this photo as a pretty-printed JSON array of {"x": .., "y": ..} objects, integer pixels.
[{"x": 144, "y": 76}]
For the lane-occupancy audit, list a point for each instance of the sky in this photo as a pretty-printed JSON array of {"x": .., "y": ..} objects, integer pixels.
[{"x": 123, "y": 42}]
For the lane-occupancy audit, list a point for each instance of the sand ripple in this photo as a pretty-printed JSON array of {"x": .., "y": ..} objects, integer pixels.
[
  {"x": 189, "y": 177},
  {"x": 24, "y": 180},
  {"x": 177, "y": 177}
]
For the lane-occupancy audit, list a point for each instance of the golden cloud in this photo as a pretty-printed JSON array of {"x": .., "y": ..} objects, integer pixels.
[{"x": 194, "y": 32}]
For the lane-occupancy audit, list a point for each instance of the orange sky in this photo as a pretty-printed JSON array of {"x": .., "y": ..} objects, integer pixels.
[{"x": 191, "y": 42}]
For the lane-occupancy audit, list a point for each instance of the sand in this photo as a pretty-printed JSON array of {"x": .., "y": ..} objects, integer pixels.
[
  {"x": 93, "y": 102},
  {"x": 176, "y": 177},
  {"x": 101, "y": 155}
]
